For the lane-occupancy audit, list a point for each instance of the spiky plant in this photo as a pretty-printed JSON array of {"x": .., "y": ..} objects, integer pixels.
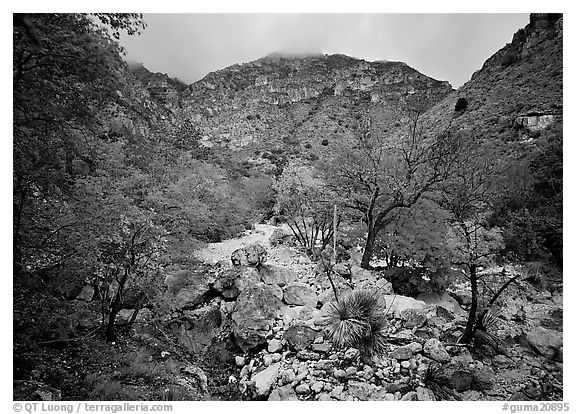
[{"x": 358, "y": 320}]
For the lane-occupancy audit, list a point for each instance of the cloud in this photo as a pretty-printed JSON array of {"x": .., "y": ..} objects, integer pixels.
[{"x": 444, "y": 46}]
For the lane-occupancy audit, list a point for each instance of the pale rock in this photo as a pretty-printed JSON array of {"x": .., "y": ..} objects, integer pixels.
[{"x": 274, "y": 345}]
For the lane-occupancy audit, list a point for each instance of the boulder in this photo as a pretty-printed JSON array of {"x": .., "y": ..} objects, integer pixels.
[
  {"x": 232, "y": 281},
  {"x": 546, "y": 342},
  {"x": 425, "y": 394},
  {"x": 279, "y": 236},
  {"x": 196, "y": 329},
  {"x": 300, "y": 337},
  {"x": 276, "y": 275},
  {"x": 254, "y": 315},
  {"x": 285, "y": 393},
  {"x": 264, "y": 380},
  {"x": 397, "y": 303},
  {"x": 87, "y": 293},
  {"x": 359, "y": 389},
  {"x": 297, "y": 293},
  {"x": 413, "y": 318},
  {"x": 402, "y": 354},
  {"x": 187, "y": 289},
  {"x": 252, "y": 255},
  {"x": 274, "y": 345},
  {"x": 444, "y": 300},
  {"x": 435, "y": 349}
]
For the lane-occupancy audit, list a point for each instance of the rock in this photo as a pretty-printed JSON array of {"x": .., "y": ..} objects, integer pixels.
[
  {"x": 274, "y": 345},
  {"x": 340, "y": 374},
  {"x": 288, "y": 376},
  {"x": 240, "y": 361},
  {"x": 351, "y": 354},
  {"x": 285, "y": 393},
  {"x": 402, "y": 353},
  {"x": 198, "y": 375},
  {"x": 410, "y": 396},
  {"x": 232, "y": 281},
  {"x": 463, "y": 297},
  {"x": 300, "y": 337},
  {"x": 87, "y": 293},
  {"x": 359, "y": 274},
  {"x": 264, "y": 380},
  {"x": 425, "y": 394},
  {"x": 337, "y": 391},
  {"x": 197, "y": 328},
  {"x": 46, "y": 393},
  {"x": 471, "y": 395},
  {"x": 351, "y": 371},
  {"x": 325, "y": 365},
  {"x": 461, "y": 380},
  {"x": 444, "y": 300},
  {"x": 277, "y": 290},
  {"x": 303, "y": 389},
  {"x": 397, "y": 303},
  {"x": 405, "y": 364},
  {"x": 483, "y": 379},
  {"x": 297, "y": 293},
  {"x": 307, "y": 356},
  {"x": 415, "y": 347},
  {"x": 324, "y": 348},
  {"x": 267, "y": 360},
  {"x": 254, "y": 315},
  {"x": 360, "y": 390},
  {"x": 317, "y": 386},
  {"x": 276, "y": 275},
  {"x": 187, "y": 289},
  {"x": 278, "y": 236},
  {"x": 546, "y": 342},
  {"x": 252, "y": 255},
  {"x": 384, "y": 287},
  {"x": 434, "y": 349},
  {"x": 413, "y": 318},
  {"x": 276, "y": 357},
  {"x": 324, "y": 397}
]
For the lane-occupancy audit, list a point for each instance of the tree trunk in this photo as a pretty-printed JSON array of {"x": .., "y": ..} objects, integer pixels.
[
  {"x": 471, "y": 324},
  {"x": 369, "y": 247}
]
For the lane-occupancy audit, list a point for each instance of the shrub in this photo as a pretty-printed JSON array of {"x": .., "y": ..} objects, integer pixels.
[{"x": 358, "y": 320}]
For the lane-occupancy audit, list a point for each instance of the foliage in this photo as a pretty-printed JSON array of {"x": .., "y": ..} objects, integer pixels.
[
  {"x": 358, "y": 320},
  {"x": 415, "y": 237},
  {"x": 307, "y": 205},
  {"x": 377, "y": 174}
]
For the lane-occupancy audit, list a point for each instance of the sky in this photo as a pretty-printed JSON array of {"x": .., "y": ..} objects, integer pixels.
[{"x": 443, "y": 46}]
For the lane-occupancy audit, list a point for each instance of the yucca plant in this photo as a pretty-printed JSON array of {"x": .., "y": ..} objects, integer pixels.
[{"x": 358, "y": 320}]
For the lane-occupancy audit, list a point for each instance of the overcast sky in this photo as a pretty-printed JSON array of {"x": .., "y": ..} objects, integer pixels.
[{"x": 444, "y": 46}]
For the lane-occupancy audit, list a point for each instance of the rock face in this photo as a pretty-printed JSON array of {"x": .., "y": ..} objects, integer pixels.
[
  {"x": 252, "y": 255},
  {"x": 276, "y": 275},
  {"x": 234, "y": 280},
  {"x": 297, "y": 293},
  {"x": 254, "y": 314},
  {"x": 546, "y": 342}
]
